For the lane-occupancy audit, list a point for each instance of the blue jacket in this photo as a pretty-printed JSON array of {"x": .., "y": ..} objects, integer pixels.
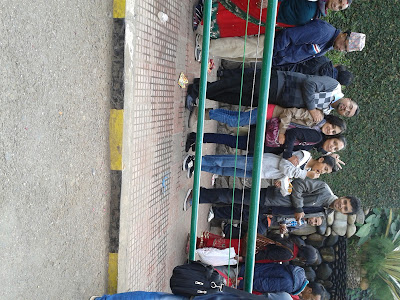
[
  {"x": 273, "y": 278},
  {"x": 298, "y": 44}
]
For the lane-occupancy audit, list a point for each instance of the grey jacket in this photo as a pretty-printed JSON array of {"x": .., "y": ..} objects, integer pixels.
[
  {"x": 305, "y": 192},
  {"x": 297, "y": 90}
]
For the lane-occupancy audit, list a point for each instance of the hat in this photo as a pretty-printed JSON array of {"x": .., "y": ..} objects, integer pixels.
[{"x": 356, "y": 41}]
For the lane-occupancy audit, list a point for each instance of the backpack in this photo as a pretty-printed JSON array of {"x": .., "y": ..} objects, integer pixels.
[{"x": 194, "y": 279}]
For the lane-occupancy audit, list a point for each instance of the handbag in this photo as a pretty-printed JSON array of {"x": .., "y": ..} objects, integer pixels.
[
  {"x": 217, "y": 257},
  {"x": 194, "y": 279}
]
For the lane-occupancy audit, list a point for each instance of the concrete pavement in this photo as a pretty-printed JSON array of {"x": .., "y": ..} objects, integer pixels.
[{"x": 153, "y": 226}]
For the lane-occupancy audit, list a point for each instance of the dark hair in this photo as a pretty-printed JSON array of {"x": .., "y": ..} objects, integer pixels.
[
  {"x": 330, "y": 161},
  {"x": 355, "y": 204},
  {"x": 357, "y": 110},
  {"x": 334, "y": 120},
  {"x": 308, "y": 254},
  {"x": 317, "y": 289},
  {"x": 339, "y": 137},
  {"x": 344, "y": 76}
]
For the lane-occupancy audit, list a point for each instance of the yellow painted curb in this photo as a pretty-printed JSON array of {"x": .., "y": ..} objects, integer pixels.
[
  {"x": 112, "y": 273},
  {"x": 116, "y": 130},
  {"x": 119, "y": 9}
]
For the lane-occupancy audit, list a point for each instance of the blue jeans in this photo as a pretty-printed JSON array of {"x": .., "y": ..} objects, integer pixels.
[
  {"x": 142, "y": 296},
  {"x": 231, "y": 117},
  {"x": 225, "y": 165}
]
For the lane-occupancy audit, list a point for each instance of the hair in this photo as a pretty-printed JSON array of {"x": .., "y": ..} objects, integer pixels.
[
  {"x": 308, "y": 254},
  {"x": 357, "y": 110},
  {"x": 330, "y": 161},
  {"x": 355, "y": 204},
  {"x": 344, "y": 76},
  {"x": 339, "y": 137},
  {"x": 334, "y": 120},
  {"x": 317, "y": 289}
]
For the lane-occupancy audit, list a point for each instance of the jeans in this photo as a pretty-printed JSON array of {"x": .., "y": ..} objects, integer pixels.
[
  {"x": 231, "y": 117},
  {"x": 225, "y": 165},
  {"x": 142, "y": 296},
  {"x": 227, "y": 139}
]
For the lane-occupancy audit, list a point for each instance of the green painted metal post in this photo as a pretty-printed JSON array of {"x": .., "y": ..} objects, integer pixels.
[
  {"x": 259, "y": 144},
  {"x": 200, "y": 125}
]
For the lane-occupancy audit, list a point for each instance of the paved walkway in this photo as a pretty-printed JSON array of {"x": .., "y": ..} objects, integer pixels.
[{"x": 153, "y": 226}]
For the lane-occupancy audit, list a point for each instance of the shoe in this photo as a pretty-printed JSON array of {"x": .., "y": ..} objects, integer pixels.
[
  {"x": 210, "y": 215},
  {"x": 94, "y": 297},
  {"x": 188, "y": 200},
  {"x": 197, "y": 48},
  {"x": 188, "y": 165},
  {"x": 191, "y": 142},
  {"x": 197, "y": 15},
  {"x": 191, "y": 101}
]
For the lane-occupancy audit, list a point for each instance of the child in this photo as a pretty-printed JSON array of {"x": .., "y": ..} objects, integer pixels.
[
  {"x": 300, "y": 165},
  {"x": 290, "y": 224}
]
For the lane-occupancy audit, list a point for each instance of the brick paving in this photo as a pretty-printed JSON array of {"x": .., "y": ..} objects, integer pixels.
[{"x": 153, "y": 225}]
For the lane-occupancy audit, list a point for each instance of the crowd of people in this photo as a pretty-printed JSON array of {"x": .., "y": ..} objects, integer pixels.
[{"x": 305, "y": 87}]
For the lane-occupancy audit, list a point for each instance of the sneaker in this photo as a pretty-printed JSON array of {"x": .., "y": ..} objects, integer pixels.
[
  {"x": 197, "y": 15},
  {"x": 197, "y": 48},
  {"x": 210, "y": 215},
  {"x": 188, "y": 165},
  {"x": 191, "y": 142},
  {"x": 188, "y": 200},
  {"x": 94, "y": 297}
]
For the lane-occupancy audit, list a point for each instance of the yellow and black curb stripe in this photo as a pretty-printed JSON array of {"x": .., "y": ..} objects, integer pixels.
[{"x": 115, "y": 139}]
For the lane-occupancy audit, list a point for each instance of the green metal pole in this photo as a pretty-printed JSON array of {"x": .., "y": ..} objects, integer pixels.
[
  {"x": 200, "y": 125},
  {"x": 259, "y": 144}
]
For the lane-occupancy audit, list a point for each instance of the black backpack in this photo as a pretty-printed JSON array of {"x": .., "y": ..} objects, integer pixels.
[{"x": 194, "y": 279}]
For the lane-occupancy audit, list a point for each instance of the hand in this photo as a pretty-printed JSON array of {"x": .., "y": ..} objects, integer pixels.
[
  {"x": 283, "y": 228},
  {"x": 281, "y": 138},
  {"x": 294, "y": 160},
  {"x": 263, "y": 5},
  {"x": 339, "y": 162},
  {"x": 277, "y": 184},
  {"x": 312, "y": 174},
  {"x": 299, "y": 216},
  {"x": 316, "y": 115}
]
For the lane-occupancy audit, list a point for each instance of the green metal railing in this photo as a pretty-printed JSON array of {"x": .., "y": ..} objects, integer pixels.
[
  {"x": 259, "y": 142},
  {"x": 200, "y": 125}
]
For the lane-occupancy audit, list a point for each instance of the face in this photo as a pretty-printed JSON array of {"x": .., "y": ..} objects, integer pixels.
[
  {"x": 330, "y": 129},
  {"x": 333, "y": 145},
  {"x": 307, "y": 294},
  {"x": 346, "y": 107},
  {"x": 336, "y": 5},
  {"x": 321, "y": 168},
  {"x": 343, "y": 205},
  {"x": 314, "y": 221},
  {"x": 341, "y": 42}
]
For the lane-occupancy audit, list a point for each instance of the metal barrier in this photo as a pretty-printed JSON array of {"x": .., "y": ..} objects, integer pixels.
[{"x": 259, "y": 142}]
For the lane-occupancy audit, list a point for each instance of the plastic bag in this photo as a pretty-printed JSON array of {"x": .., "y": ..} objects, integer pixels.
[{"x": 217, "y": 257}]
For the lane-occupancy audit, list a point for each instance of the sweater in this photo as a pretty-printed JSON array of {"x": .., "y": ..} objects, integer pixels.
[{"x": 301, "y": 43}]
